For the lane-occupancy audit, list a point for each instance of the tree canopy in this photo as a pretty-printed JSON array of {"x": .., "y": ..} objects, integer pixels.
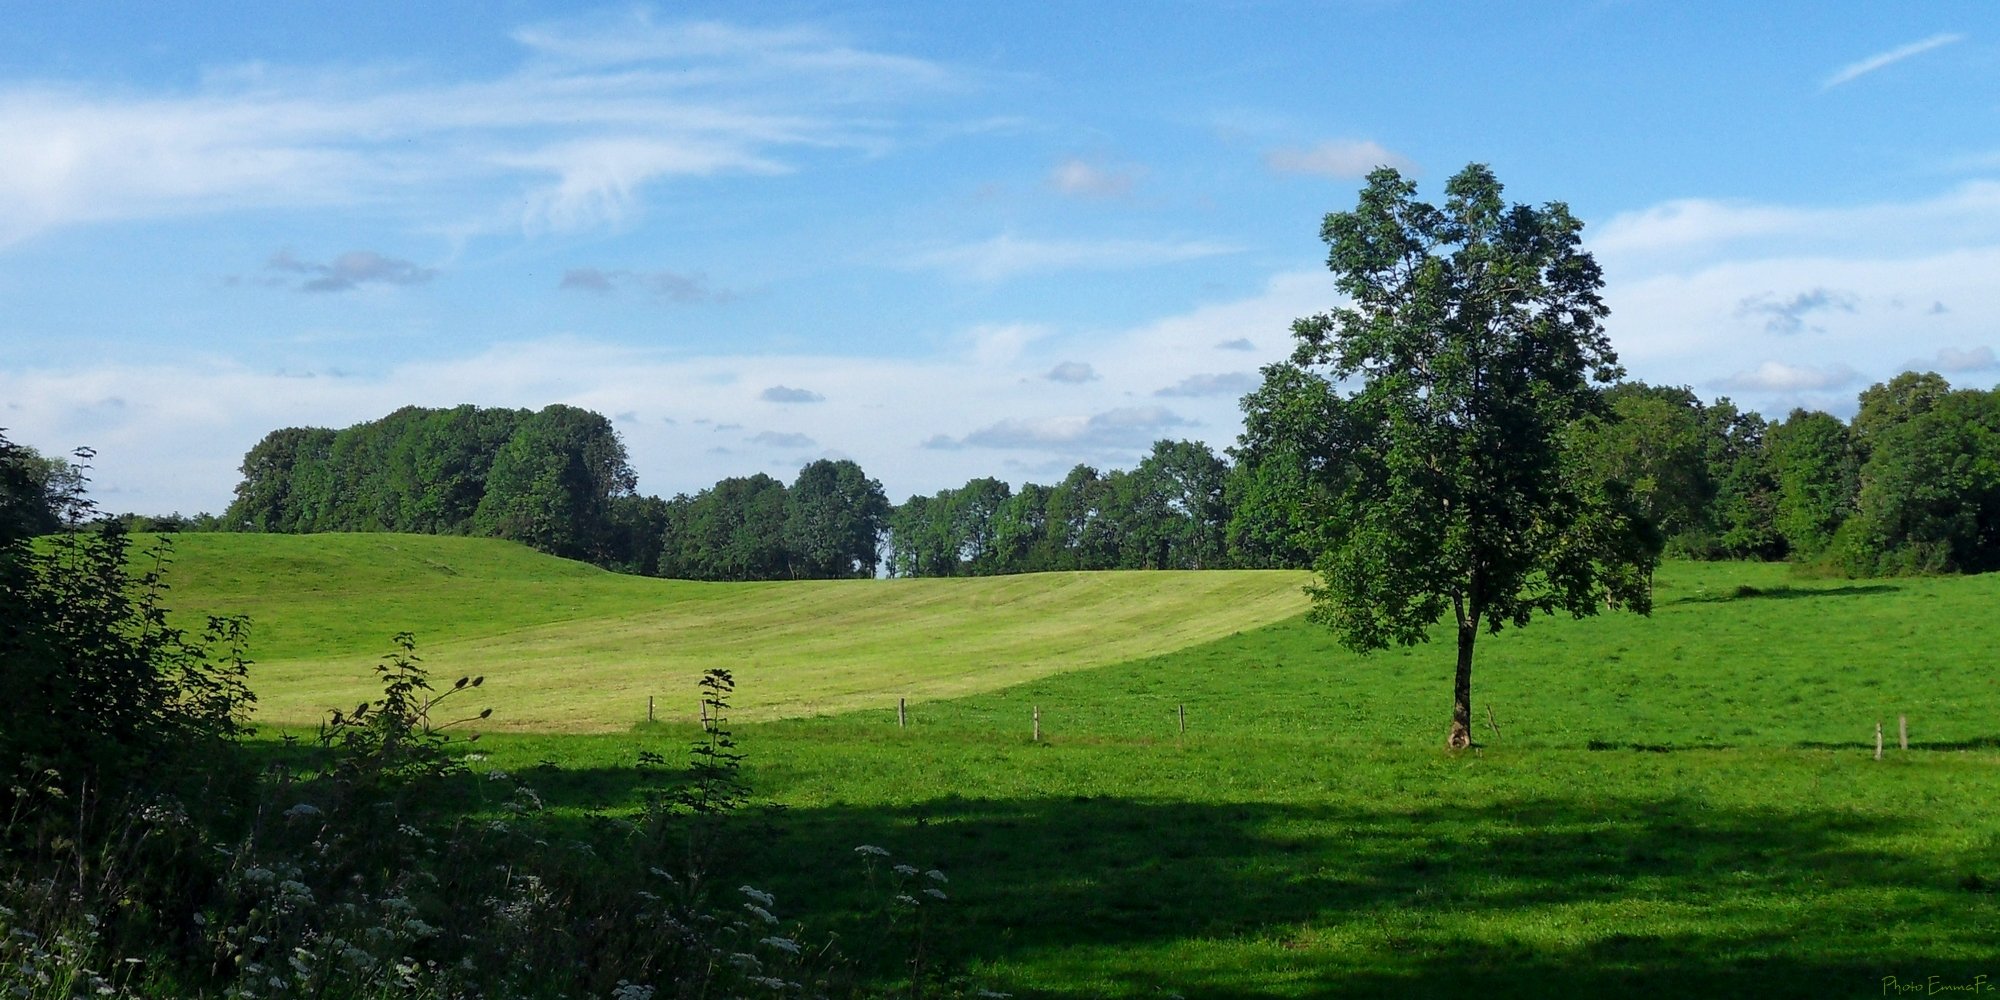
[{"x": 1475, "y": 338}]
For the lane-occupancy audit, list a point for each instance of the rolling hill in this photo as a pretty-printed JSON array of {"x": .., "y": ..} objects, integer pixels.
[{"x": 568, "y": 647}]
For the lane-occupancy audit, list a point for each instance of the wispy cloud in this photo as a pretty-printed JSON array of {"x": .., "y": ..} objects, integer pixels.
[
  {"x": 670, "y": 286},
  {"x": 1698, "y": 230},
  {"x": 1081, "y": 179},
  {"x": 1237, "y": 344},
  {"x": 171, "y": 434},
  {"x": 1118, "y": 428},
  {"x": 600, "y": 110},
  {"x": 778, "y": 439},
  {"x": 787, "y": 394},
  {"x": 1338, "y": 158},
  {"x": 1855, "y": 70},
  {"x": 1778, "y": 376},
  {"x": 1072, "y": 373},
  {"x": 1007, "y": 256},
  {"x": 1950, "y": 360},
  {"x": 1788, "y": 316},
  {"x": 350, "y": 270},
  {"x": 1229, "y": 384}
]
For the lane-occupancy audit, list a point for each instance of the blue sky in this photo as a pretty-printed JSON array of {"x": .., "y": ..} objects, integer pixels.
[{"x": 942, "y": 240}]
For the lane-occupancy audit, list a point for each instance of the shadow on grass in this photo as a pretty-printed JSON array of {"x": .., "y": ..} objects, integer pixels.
[
  {"x": 1523, "y": 895},
  {"x": 1257, "y": 900},
  {"x": 1889, "y": 746},
  {"x": 1786, "y": 593}
]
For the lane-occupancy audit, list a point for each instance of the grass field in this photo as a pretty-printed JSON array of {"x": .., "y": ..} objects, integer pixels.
[
  {"x": 1681, "y": 805},
  {"x": 568, "y": 647}
]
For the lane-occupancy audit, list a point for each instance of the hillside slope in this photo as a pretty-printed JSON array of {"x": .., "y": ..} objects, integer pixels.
[{"x": 567, "y": 647}]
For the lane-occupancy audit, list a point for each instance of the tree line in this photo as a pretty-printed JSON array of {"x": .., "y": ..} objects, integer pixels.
[{"x": 1911, "y": 484}]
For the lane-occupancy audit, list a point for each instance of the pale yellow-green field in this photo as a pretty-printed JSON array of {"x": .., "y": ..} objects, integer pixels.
[{"x": 567, "y": 647}]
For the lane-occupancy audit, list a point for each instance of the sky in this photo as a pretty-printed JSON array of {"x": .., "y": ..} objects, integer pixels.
[{"x": 942, "y": 240}]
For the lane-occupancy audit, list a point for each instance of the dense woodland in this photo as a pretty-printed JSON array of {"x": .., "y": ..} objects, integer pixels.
[{"x": 1910, "y": 485}]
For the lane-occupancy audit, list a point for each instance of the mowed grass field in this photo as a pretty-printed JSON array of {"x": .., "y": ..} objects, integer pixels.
[
  {"x": 569, "y": 647},
  {"x": 1680, "y": 805}
]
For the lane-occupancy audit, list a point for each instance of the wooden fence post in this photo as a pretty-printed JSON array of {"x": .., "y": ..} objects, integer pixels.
[
  {"x": 1878, "y": 739},
  {"x": 1183, "y": 719},
  {"x": 902, "y": 712},
  {"x": 649, "y": 708},
  {"x": 1903, "y": 732},
  {"x": 1038, "y": 723}
]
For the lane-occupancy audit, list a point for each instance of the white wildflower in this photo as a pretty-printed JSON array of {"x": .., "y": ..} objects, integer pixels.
[
  {"x": 304, "y": 810},
  {"x": 627, "y": 990},
  {"x": 759, "y": 896},
  {"x": 934, "y": 893},
  {"x": 871, "y": 851},
  {"x": 905, "y": 870},
  {"x": 762, "y": 914},
  {"x": 936, "y": 876},
  {"x": 784, "y": 944}
]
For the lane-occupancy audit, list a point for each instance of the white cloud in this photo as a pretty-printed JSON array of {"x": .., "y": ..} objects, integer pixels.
[
  {"x": 1342, "y": 159},
  {"x": 1072, "y": 372},
  {"x": 1707, "y": 293},
  {"x": 1855, "y": 70},
  {"x": 1007, "y": 256},
  {"x": 1230, "y": 384},
  {"x": 351, "y": 270},
  {"x": 1118, "y": 429},
  {"x": 1779, "y": 377},
  {"x": 1080, "y": 179},
  {"x": 1788, "y": 315},
  {"x": 1695, "y": 232},
  {"x": 997, "y": 344},
  {"x": 1955, "y": 360},
  {"x": 170, "y": 436},
  {"x": 787, "y": 394},
  {"x": 571, "y": 139},
  {"x": 670, "y": 286},
  {"x": 779, "y": 439}
]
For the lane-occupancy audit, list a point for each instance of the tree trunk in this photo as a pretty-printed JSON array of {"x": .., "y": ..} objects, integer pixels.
[{"x": 1461, "y": 689}]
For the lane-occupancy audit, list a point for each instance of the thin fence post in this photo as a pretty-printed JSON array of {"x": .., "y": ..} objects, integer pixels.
[
  {"x": 902, "y": 712},
  {"x": 1878, "y": 739},
  {"x": 649, "y": 708},
  {"x": 1038, "y": 723},
  {"x": 1903, "y": 732},
  {"x": 1183, "y": 719}
]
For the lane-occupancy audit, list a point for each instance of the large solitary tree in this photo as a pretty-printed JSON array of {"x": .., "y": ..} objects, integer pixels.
[{"x": 1473, "y": 339}]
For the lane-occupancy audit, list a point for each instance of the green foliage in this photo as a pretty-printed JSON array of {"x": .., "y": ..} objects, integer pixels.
[
  {"x": 1930, "y": 492},
  {"x": 1655, "y": 441},
  {"x": 1745, "y": 511},
  {"x": 1288, "y": 468},
  {"x": 734, "y": 531},
  {"x": 96, "y": 684},
  {"x": 553, "y": 479},
  {"x": 1818, "y": 479},
  {"x": 552, "y": 484},
  {"x": 394, "y": 740},
  {"x": 1476, "y": 335},
  {"x": 37, "y": 492},
  {"x": 834, "y": 519},
  {"x": 1887, "y": 405}
]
